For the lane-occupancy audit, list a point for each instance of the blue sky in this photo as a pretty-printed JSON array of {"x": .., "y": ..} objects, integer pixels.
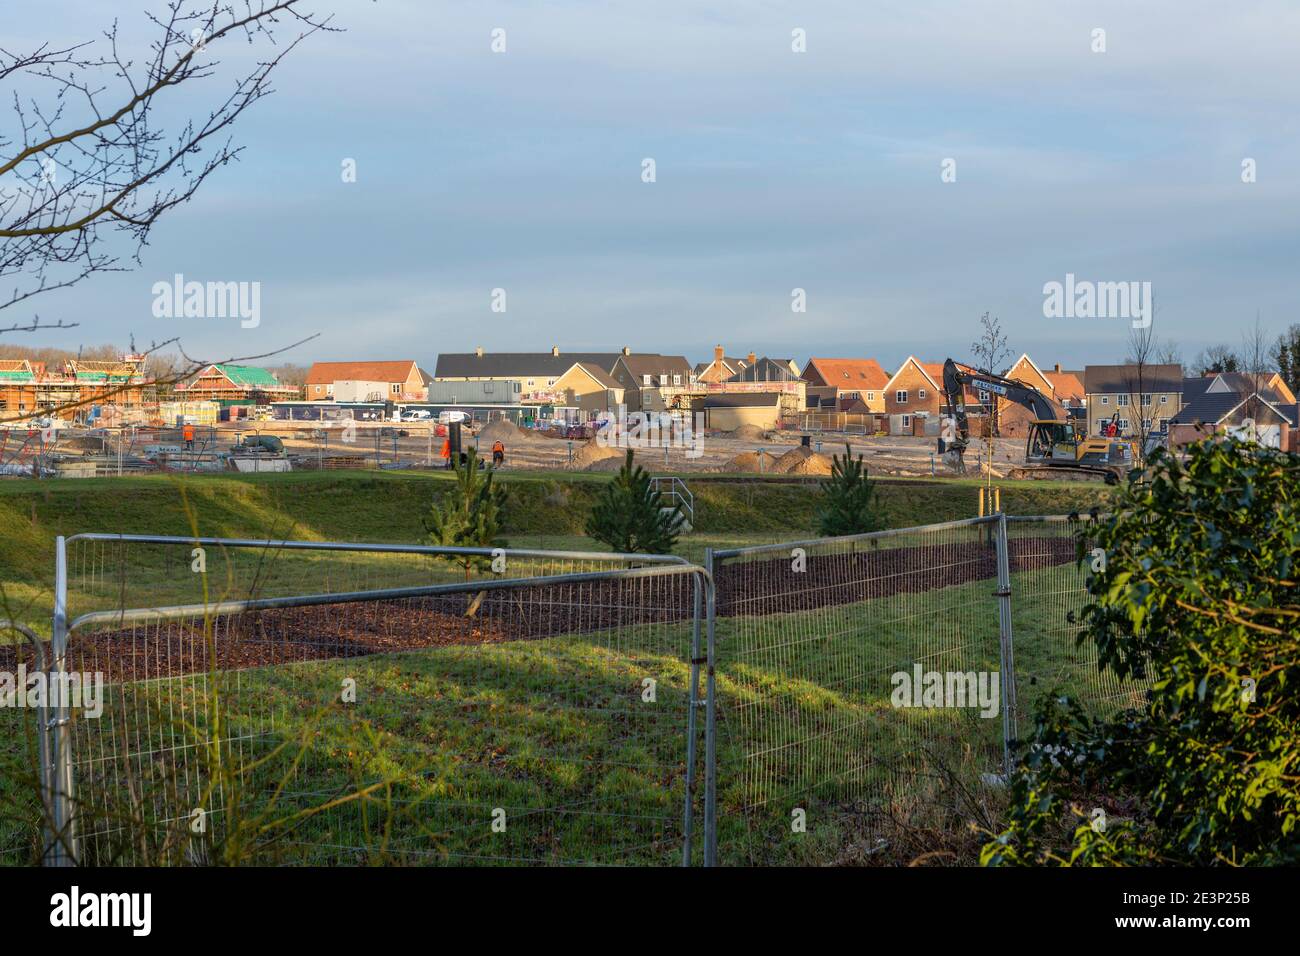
[{"x": 775, "y": 170}]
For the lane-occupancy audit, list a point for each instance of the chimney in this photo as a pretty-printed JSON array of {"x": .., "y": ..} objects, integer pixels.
[
  {"x": 555, "y": 350},
  {"x": 750, "y": 358},
  {"x": 1058, "y": 367},
  {"x": 627, "y": 350},
  {"x": 717, "y": 354},
  {"x": 478, "y": 352}
]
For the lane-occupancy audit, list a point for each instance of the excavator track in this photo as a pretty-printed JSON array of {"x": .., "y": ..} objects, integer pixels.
[{"x": 1068, "y": 472}]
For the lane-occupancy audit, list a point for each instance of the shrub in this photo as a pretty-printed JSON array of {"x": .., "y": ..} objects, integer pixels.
[
  {"x": 1199, "y": 594},
  {"x": 470, "y": 515},
  {"x": 848, "y": 504},
  {"x": 630, "y": 517}
]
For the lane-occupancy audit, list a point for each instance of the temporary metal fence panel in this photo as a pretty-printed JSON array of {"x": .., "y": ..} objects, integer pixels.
[
  {"x": 292, "y": 701},
  {"x": 544, "y": 712},
  {"x": 827, "y": 652},
  {"x": 1050, "y": 559}
]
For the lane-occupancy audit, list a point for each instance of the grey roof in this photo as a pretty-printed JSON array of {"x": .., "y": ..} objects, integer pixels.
[
  {"x": 517, "y": 364},
  {"x": 765, "y": 370},
  {"x": 729, "y": 360},
  {"x": 1207, "y": 408},
  {"x": 1212, "y": 408},
  {"x": 1194, "y": 387},
  {"x": 742, "y": 400},
  {"x": 1244, "y": 384},
  {"x": 1122, "y": 379},
  {"x": 656, "y": 366}
]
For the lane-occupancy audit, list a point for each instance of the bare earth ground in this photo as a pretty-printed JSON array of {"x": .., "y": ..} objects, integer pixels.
[{"x": 718, "y": 452}]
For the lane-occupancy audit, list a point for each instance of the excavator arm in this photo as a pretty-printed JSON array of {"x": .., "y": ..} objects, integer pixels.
[{"x": 956, "y": 378}]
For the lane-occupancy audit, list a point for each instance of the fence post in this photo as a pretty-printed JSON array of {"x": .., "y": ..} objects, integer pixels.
[
  {"x": 1005, "y": 642},
  {"x": 63, "y": 852},
  {"x": 691, "y": 723},
  {"x": 710, "y": 724}
]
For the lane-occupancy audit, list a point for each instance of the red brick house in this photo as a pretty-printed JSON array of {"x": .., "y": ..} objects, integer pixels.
[
  {"x": 850, "y": 383},
  {"x": 405, "y": 380},
  {"x": 1013, "y": 418},
  {"x": 914, "y": 390}
]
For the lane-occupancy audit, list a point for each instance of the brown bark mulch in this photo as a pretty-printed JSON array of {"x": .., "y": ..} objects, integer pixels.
[{"x": 753, "y": 587}]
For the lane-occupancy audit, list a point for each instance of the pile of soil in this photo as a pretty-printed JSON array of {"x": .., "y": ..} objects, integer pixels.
[
  {"x": 802, "y": 461},
  {"x": 748, "y": 433},
  {"x": 508, "y": 433},
  {"x": 593, "y": 453},
  {"x": 752, "y": 461}
]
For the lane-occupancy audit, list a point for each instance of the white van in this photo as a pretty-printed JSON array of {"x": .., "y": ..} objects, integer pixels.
[{"x": 447, "y": 417}]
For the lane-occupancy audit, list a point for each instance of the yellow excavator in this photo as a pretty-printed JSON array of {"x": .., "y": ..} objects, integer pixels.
[{"x": 1054, "y": 445}]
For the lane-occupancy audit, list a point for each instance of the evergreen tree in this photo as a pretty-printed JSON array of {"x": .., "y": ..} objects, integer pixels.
[
  {"x": 469, "y": 516},
  {"x": 631, "y": 517},
  {"x": 848, "y": 503}
]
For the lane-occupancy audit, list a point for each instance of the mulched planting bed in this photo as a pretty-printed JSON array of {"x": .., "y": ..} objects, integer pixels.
[
  {"x": 752, "y": 587},
  {"x": 771, "y": 586}
]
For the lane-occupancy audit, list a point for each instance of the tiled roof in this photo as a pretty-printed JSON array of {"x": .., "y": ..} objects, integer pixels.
[
  {"x": 1122, "y": 379},
  {"x": 1066, "y": 386},
  {"x": 325, "y": 373},
  {"x": 517, "y": 364},
  {"x": 849, "y": 373}
]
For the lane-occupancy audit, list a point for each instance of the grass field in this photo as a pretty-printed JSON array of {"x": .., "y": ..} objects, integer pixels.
[
  {"x": 549, "y": 731},
  {"x": 554, "y": 734},
  {"x": 544, "y": 511}
]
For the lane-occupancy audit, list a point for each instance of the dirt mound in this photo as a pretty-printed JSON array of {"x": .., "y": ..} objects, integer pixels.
[
  {"x": 752, "y": 461},
  {"x": 594, "y": 453},
  {"x": 507, "y": 432},
  {"x": 802, "y": 461},
  {"x": 606, "y": 464},
  {"x": 748, "y": 433}
]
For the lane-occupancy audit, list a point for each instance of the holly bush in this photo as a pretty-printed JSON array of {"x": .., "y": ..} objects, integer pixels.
[{"x": 1195, "y": 592}]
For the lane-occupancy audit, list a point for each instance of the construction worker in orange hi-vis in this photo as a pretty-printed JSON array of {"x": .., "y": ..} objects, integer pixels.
[
  {"x": 188, "y": 434},
  {"x": 498, "y": 453},
  {"x": 446, "y": 453}
]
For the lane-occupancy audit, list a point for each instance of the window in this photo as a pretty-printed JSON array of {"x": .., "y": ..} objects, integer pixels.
[
  {"x": 1146, "y": 401},
  {"x": 532, "y": 382},
  {"x": 329, "y": 389},
  {"x": 487, "y": 388},
  {"x": 645, "y": 379},
  {"x": 550, "y": 381},
  {"x": 871, "y": 396},
  {"x": 397, "y": 388},
  {"x": 1105, "y": 400},
  {"x": 677, "y": 378},
  {"x": 983, "y": 396},
  {"x": 920, "y": 394},
  {"x": 1121, "y": 401},
  {"x": 1164, "y": 399},
  {"x": 900, "y": 396},
  {"x": 907, "y": 420}
]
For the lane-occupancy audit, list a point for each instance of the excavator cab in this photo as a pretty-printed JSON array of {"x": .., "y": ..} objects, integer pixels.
[{"x": 1051, "y": 441}]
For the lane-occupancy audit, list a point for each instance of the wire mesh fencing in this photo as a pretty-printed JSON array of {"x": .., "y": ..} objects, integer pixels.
[
  {"x": 1050, "y": 559},
  {"x": 512, "y": 718},
  {"x": 860, "y": 689}
]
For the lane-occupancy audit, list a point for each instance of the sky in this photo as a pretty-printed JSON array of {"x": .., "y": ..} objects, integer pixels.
[{"x": 775, "y": 170}]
